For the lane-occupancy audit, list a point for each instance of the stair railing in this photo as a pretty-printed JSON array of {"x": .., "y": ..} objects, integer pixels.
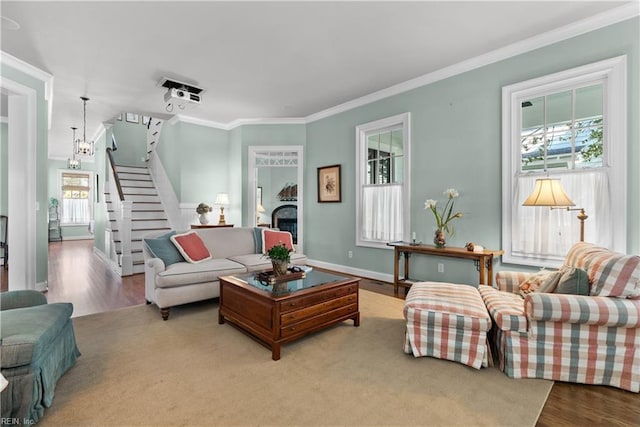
[
  {"x": 122, "y": 213},
  {"x": 163, "y": 185}
]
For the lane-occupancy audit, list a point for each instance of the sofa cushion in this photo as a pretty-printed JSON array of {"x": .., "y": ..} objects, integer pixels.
[
  {"x": 543, "y": 281},
  {"x": 506, "y": 308},
  {"x": 573, "y": 281},
  {"x": 228, "y": 241},
  {"x": 191, "y": 247},
  {"x": 257, "y": 262},
  {"x": 163, "y": 247},
  {"x": 27, "y": 332},
  {"x": 183, "y": 273},
  {"x": 271, "y": 238}
]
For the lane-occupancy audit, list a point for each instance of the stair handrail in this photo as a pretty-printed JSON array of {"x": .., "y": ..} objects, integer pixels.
[
  {"x": 122, "y": 213},
  {"x": 115, "y": 175}
]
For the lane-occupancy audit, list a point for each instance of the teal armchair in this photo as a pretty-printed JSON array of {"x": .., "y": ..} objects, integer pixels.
[{"x": 37, "y": 346}]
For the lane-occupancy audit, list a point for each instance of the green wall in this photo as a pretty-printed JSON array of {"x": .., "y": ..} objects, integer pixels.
[
  {"x": 4, "y": 165},
  {"x": 202, "y": 161},
  {"x": 41, "y": 179},
  {"x": 455, "y": 142},
  {"x": 261, "y": 135},
  {"x": 131, "y": 139},
  {"x": 196, "y": 159}
]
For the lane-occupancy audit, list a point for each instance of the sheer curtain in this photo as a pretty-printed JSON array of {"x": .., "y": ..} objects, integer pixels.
[
  {"x": 382, "y": 212},
  {"x": 549, "y": 232},
  {"x": 75, "y": 211}
]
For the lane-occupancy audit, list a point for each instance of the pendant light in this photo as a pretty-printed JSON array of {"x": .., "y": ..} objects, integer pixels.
[
  {"x": 73, "y": 162},
  {"x": 82, "y": 147}
]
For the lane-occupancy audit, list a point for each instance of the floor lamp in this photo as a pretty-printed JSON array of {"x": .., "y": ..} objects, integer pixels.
[{"x": 549, "y": 192}]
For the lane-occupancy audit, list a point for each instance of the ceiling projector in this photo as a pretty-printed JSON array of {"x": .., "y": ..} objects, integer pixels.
[{"x": 180, "y": 94}]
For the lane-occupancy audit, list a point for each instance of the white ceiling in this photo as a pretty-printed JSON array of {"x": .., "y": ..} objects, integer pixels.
[{"x": 256, "y": 60}]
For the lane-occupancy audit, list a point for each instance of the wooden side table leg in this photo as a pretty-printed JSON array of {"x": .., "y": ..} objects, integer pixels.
[
  {"x": 482, "y": 270},
  {"x": 490, "y": 271},
  {"x": 396, "y": 271}
]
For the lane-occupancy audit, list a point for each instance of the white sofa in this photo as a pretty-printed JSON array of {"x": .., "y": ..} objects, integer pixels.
[{"x": 233, "y": 251}]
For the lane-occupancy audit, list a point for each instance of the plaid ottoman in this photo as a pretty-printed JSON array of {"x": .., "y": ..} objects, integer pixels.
[{"x": 447, "y": 321}]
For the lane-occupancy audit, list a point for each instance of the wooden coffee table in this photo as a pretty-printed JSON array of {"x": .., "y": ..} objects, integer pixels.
[{"x": 306, "y": 305}]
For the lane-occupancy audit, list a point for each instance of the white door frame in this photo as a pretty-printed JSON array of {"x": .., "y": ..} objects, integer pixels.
[
  {"x": 252, "y": 183},
  {"x": 21, "y": 186}
]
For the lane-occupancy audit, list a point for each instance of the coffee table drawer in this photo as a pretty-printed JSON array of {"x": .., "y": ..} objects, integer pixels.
[
  {"x": 304, "y": 313},
  {"x": 318, "y": 297},
  {"x": 317, "y": 321}
]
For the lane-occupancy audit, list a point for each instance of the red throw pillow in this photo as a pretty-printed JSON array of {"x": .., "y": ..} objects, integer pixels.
[
  {"x": 191, "y": 247},
  {"x": 270, "y": 238}
]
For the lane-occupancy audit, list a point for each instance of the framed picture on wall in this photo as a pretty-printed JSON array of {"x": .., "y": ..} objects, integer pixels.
[
  {"x": 145, "y": 120},
  {"x": 132, "y": 118},
  {"x": 329, "y": 184}
]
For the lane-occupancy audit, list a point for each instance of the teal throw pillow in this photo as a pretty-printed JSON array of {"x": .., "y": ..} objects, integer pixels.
[
  {"x": 257, "y": 239},
  {"x": 574, "y": 281},
  {"x": 162, "y": 247}
]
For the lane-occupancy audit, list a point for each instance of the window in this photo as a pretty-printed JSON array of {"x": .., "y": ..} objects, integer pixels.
[
  {"x": 75, "y": 193},
  {"x": 382, "y": 180},
  {"x": 571, "y": 126}
]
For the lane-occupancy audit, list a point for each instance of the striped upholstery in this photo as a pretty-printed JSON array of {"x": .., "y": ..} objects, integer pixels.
[
  {"x": 610, "y": 274},
  {"x": 509, "y": 281},
  {"x": 447, "y": 321},
  {"x": 574, "y": 338}
]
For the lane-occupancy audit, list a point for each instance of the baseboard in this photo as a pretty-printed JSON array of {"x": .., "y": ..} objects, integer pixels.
[
  {"x": 383, "y": 277},
  {"x": 65, "y": 238}
]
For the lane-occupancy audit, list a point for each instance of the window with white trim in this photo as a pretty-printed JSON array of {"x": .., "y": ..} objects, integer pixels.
[
  {"x": 75, "y": 197},
  {"x": 571, "y": 126},
  {"x": 382, "y": 181}
]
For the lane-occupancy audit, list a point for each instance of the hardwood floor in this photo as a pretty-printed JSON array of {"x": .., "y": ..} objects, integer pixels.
[{"x": 79, "y": 276}]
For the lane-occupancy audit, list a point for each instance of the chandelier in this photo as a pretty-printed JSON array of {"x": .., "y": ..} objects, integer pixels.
[
  {"x": 73, "y": 162},
  {"x": 82, "y": 147}
]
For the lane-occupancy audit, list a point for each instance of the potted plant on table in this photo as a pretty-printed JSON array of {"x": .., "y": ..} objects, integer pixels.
[
  {"x": 444, "y": 218},
  {"x": 203, "y": 210},
  {"x": 280, "y": 256}
]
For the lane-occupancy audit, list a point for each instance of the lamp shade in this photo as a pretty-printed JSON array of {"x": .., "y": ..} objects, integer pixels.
[
  {"x": 548, "y": 192},
  {"x": 222, "y": 199}
]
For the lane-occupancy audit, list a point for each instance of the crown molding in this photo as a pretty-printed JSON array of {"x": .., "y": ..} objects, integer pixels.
[
  {"x": 267, "y": 121},
  {"x": 236, "y": 123},
  {"x": 36, "y": 73}
]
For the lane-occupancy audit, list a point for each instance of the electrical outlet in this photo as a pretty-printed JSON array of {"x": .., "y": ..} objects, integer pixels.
[
  {"x": 440, "y": 267},
  {"x": 350, "y": 253}
]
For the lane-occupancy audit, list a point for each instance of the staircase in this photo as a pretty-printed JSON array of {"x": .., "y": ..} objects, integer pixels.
[{"x": 147, "y": 213}]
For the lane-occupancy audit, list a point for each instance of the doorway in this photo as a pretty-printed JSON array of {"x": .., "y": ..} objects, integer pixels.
[{"x": 275, "y": 179}]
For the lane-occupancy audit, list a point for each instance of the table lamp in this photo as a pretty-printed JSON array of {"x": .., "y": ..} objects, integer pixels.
[
  {"x": 549, "y": 192},
  {"x": 222, "y": 199}
]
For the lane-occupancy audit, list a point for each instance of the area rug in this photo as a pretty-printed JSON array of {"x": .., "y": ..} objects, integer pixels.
[{"x": 137, "y": 370}]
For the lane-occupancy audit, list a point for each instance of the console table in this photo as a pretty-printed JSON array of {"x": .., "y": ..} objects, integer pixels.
[
  {"x": 193, "y": 226},
  {"x": 482, "y": 260}
]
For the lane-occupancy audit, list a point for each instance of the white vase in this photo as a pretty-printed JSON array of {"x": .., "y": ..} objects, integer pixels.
[{"x": 204, "y": 218}]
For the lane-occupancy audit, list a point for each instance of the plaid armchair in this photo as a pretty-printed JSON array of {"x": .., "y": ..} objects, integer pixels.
[{"x": 592, "y": 339}]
